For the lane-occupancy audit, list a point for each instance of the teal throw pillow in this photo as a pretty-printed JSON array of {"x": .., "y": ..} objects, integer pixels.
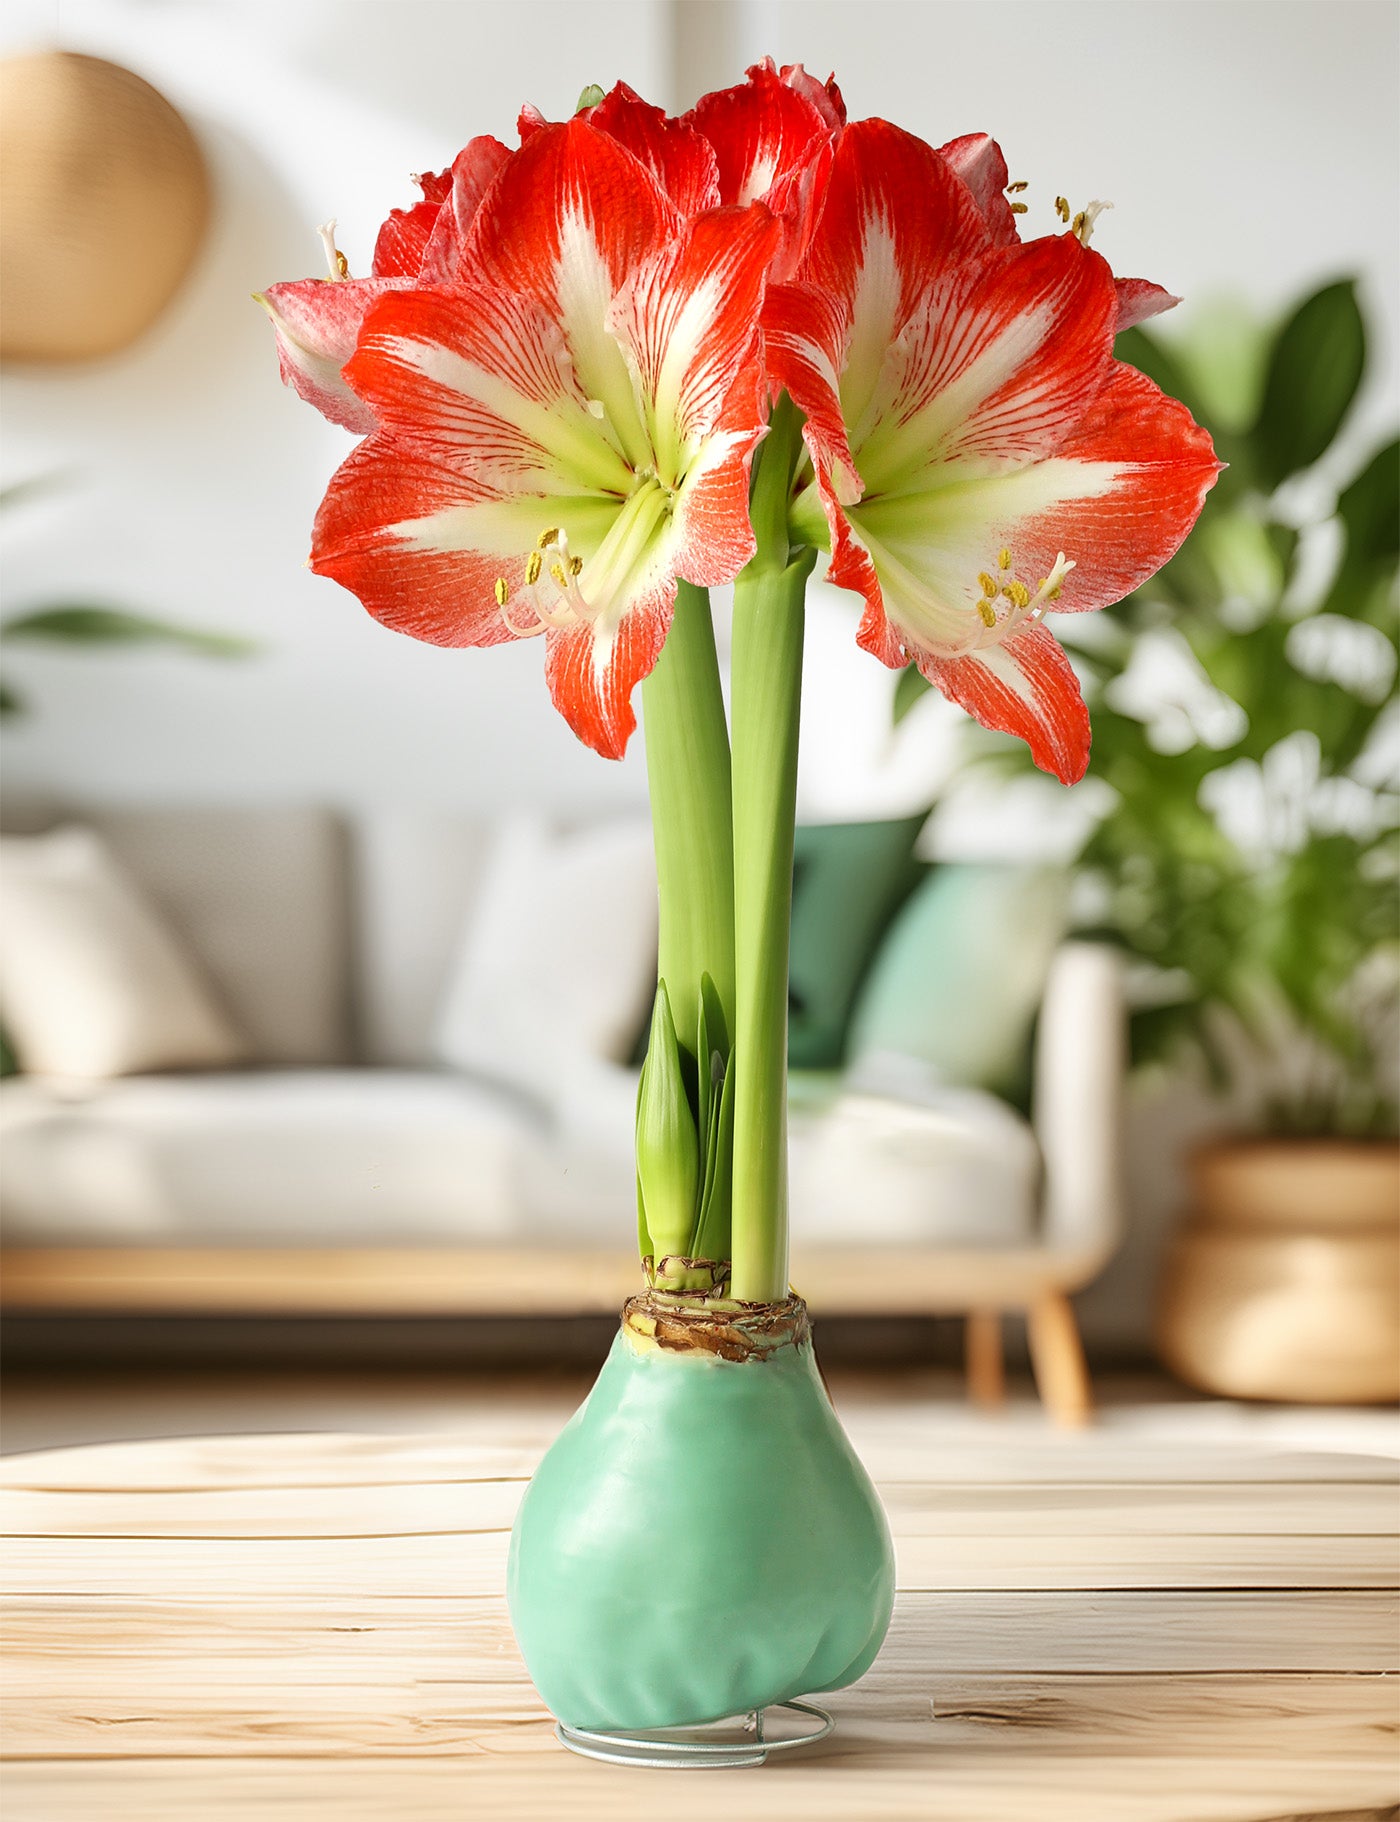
[
  {"x": 849, "y": 879},
  {"x": 959, "y": 978}
]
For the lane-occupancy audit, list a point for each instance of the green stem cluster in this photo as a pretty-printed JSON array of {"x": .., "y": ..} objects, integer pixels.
[{"x": 724, "y": 848}]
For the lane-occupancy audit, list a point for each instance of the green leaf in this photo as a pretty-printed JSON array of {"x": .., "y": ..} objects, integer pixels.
[
  {"x": 11, "y": 702},
  {"x": 84, "y": 625},
  {"x": 589, "y": 97},
  {"x": 912, "y": 684},
  {"x": 713, "y": 1229},
  {"x": 1314, "y": 371},
  {"x": 712, "y": 1214},
  {"x": 668, "y": 1152},
  {"x": 1370, "y": 513}
]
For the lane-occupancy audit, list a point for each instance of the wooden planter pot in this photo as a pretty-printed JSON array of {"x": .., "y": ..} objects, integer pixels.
[{"x": 1285, "y": 1281}]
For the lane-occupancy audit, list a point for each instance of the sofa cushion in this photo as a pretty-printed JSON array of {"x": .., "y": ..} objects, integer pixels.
[
  {"x": 558, "y": 957},
  {"x": 417, "y": 875},
  {"x": 914, "y": 1163},
  {"x": 92, "y": 982},
  {"x": 957, "y": 981},
  {"x": 292, "y": 1156},
  {"x": 848, "y": 880},
  {"x": 260, "y": 896}
]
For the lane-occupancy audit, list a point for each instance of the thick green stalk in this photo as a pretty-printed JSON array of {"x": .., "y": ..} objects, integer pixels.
[
  {"x": 687, "y": 741},
  {"x": 767, "y": 676}
]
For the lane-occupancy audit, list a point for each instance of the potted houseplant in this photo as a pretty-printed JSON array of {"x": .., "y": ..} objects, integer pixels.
[
  {"x": 1244, "y": 709},
  {"x": 631, "y": 358}
]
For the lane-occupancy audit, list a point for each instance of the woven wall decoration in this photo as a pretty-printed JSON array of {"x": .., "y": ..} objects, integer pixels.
[{"x": 104, "y": 196}]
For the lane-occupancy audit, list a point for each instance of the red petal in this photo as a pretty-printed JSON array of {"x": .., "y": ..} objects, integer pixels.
[
  {"x": 681, "y": 160},
  {"x": 772, "y": 145},
  {"x": 571, "y": 174},
  {"x": 804, "y": 333},
  {"x": 998, "y": 362},
  {"x": 1165, "y": 466},
  {"x": 474, "y": 169},
  {"x": 480, "y": 374},
  {"x": 1025, "y": 686},
  {"x": 691, "y": 315},
  {"x": 825, "y": 97},
  {"x": 894, "y": 215},
  {"x": 977, "y": 159},
  {"x": 363, "y": 538},
  {"x": 317, "y": 322},
  {"x": 592, "y": 685},
  {"x": 398, "y": 251},
  {"x": 761, "y": 130},
  {"x": 712, "y": 514},
  {"x": 1138, "y": 299}
]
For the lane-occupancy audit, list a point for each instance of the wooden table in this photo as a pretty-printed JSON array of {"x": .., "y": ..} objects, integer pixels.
[{"x": 313, "y": 1627}]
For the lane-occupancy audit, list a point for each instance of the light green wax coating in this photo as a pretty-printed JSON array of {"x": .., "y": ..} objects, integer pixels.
[{"x": 701, "y": 1540}]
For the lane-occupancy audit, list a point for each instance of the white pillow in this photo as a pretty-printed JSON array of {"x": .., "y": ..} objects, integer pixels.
[
  {"x": 92, "y": 984},
  {"x": 558, "y": 959}
]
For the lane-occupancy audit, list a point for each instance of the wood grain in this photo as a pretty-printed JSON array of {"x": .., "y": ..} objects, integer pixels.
[{"x": 1088, "y": 1629}]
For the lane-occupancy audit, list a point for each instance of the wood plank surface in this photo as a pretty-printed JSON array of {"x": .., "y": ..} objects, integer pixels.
[{"x": 1091, "y": 1629}]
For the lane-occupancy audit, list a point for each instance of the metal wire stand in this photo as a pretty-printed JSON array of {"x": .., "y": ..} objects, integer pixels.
[{"x": 676, "y": 1748}]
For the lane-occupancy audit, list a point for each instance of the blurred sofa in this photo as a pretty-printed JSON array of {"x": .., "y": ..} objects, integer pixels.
[{"x": 440, "y": 1017}]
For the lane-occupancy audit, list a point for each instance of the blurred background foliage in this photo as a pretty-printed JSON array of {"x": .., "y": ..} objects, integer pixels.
[{"x": 1245, "y": 723}]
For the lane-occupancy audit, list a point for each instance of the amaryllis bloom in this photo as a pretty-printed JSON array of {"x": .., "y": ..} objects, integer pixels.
[
  {"x": 980, "y": 456},
  {"x": 564, "y": 430},
  {"x": 318, "y": 320}
]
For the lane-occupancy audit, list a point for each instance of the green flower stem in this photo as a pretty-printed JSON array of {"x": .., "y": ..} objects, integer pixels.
[
  {"x": 769, "y": 616},
  {"x": 687, "y": 742}
]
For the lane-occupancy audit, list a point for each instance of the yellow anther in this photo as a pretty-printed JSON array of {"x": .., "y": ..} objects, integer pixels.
[
  {"x": 502, "y": 591},
  {"x": 559, "y": 574},
  {"x": 986, "y": 583},
  {"x": 575, "y": 565},
  {"x": 546, "y": 538},
  {"x": 1017, "y": 594},
  {"x": 1004, "y": 558},
  {"x": 1053, "y": 594},
  {"x": 1015, "y": 189},
  {"x": 987, "y": 612},
  {"x": 1019, "y": 208},
  {"x": 1078, "y": 225},
  {"x": 1062, "y": 208},
  {"x": 533, "y": 567}
]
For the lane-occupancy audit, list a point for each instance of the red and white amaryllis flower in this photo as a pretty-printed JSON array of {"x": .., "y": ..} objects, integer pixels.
[
  {"x": 563, "y": 430},
  {"x": 318, "y": 320},
  {"x": 980, "y": 456}
]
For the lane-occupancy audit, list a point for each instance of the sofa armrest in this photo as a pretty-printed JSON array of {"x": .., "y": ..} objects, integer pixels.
[{"x": 1080, "y": 1063}]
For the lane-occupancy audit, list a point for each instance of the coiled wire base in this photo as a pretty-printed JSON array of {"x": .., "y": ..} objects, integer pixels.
[{"x": 677, "y": 1748}]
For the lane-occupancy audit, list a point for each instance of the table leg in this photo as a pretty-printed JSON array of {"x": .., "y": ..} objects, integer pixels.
[
  {"x": 986, "y": 1369},
  {"x": 1057, "y": 1360}
]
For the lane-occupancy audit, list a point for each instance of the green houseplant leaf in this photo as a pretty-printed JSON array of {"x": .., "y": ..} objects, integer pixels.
[
  {"x": 80, "y": 625},
  {"x": 1313, "y": 375}
]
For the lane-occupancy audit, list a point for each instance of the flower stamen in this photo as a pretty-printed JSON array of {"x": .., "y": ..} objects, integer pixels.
[
  {"x": 337, "y": 262},
  {"x": 1022, "y": 603}
]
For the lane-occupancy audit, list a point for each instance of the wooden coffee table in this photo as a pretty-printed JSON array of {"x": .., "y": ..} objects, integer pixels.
[{"x": 313, "y": 1626}]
